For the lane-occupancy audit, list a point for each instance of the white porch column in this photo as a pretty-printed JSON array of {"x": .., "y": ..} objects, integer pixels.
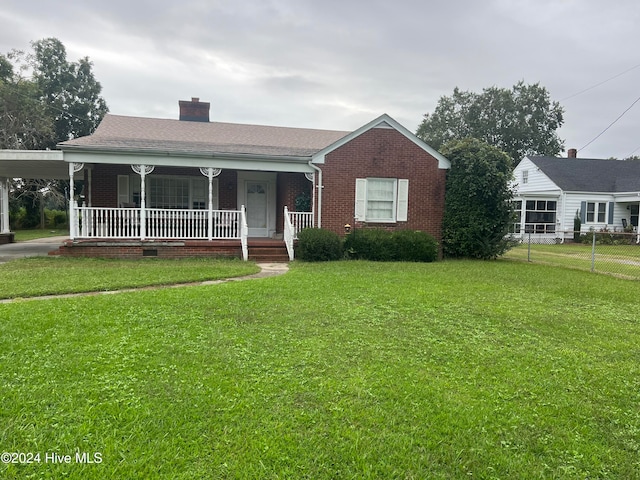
[
  {"x": 89, "y": 187},
  {"x": 4, "y": 205},
  {"x": 73, "y": 221},
  {"x": 210, "y": 173},
  {"x": 143, "y": 171}
]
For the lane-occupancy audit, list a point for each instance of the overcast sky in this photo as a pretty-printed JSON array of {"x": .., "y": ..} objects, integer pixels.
[{"x": 337, "y": 64}]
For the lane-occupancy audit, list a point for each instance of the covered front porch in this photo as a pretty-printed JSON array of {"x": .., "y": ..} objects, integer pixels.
[
  {"x": 169, "y": 203},
  {"x": 172, "y": 203}
]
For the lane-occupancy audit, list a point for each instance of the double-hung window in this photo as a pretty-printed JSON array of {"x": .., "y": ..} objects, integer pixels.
[
  {"x": 596, "y": 210},
  {"x": 517, "y": 210},
  {"x": 381, "y": 200}
]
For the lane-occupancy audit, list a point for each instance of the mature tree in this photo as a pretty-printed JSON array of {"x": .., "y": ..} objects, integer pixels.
[
  {"x": 69, "y": 89},
  {"x": 60, "y": 100},
  {"x": 478, "y": 210},
  {"x": 521, "y": 121},
  {"x": 24, "y": 122}
]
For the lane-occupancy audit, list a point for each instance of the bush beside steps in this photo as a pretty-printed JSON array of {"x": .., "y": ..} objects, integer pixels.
[{"x": 317, "y": 244}]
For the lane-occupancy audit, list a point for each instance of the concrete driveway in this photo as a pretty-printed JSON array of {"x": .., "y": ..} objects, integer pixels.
[{"x": 30, "y": 248}]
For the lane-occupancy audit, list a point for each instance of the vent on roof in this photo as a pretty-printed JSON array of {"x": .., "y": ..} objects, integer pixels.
[{"x": 194, "y": 110}]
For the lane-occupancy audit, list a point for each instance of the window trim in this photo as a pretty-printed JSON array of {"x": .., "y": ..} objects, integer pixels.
[
  {"x": 598, "y": 212},
  {"x": 534, "y": 218},
  {"x": 400, "y": 200}
]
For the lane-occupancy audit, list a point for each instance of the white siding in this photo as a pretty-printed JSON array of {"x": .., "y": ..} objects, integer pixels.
[
  {"x": 537, "y": 180},
  {"x": 574, "y": 203}
]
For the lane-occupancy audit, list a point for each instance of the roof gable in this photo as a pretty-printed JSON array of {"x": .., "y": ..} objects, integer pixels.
[
  {"x": 590, "y": 175},
  {"x": 536, "y": 179},
  {"x": 384, "y": 121}
]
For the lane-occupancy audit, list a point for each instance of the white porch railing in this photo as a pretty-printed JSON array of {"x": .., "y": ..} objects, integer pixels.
[
  {"x": 289, "y": 233},
  {"x": 160, "y": 223},
  {"x": 293, "y": 223},
  {"x": 299, "y": 220},
  {"x": 244, "y": 233}
]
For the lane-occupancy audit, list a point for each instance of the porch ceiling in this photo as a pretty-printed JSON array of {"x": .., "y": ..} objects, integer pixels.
[{"x": 33, "y": 164}]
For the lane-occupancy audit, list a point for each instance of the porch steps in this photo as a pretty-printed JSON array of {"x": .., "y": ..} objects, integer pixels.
[{"x": 267, "y": 251}]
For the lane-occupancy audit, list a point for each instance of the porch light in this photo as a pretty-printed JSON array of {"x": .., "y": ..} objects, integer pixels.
[{"x": 347, "y": 228}]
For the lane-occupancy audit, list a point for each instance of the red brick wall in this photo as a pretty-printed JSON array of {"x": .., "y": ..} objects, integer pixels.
[
  {"x": 104, "y": 184},
  {"x": 384, "y": 153},
  {"x": 288, "y": 187},
  {"x": 137, "y": 249},
  {"x": 228, "y": 190}
]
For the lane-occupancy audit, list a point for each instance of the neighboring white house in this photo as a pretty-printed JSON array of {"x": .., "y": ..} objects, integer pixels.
[{"x": 551, "y": 191}]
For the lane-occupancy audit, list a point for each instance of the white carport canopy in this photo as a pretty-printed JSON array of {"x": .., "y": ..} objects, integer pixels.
[
  {"x": 30, "y": 164},
  {"x": 47, "y": 164}
]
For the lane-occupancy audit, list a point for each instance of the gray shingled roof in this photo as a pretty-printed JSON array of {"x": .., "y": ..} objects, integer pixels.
[
  {"x": 591, "y": 175},
  {"x": 121, "y": 133}
]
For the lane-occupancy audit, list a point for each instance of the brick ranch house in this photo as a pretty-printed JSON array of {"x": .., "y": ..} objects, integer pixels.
[{"x": 158, "y": 187}]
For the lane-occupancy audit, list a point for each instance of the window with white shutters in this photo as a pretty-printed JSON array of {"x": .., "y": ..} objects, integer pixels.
[{"x": 382, "y": 200}]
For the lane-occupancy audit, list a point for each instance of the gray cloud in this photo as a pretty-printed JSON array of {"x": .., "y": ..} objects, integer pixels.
[{"x": 338, "y": 64}]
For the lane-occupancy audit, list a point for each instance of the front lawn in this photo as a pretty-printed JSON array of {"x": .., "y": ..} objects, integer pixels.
[
  {"x": 454, "y": 369},
  {"x": 623, "y": 260},
  {"x": 24, "y": 235},
  {"x": 35, "y": 276}
]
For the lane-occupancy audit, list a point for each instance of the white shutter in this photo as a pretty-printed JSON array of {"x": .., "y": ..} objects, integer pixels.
[
  {"x": 403, "y": 200},
  {"x": 361, "y": 199},
  {"x": 123, "y": 190}
]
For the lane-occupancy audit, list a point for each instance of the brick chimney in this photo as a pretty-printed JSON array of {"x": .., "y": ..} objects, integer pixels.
[
  {"x": 572, "y": 153},
  {"x": 194, "y": 110}
]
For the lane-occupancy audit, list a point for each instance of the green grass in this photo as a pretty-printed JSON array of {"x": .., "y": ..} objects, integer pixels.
[
  {"x": 35, "y": 276},
  {"x": 24, "y": 235},
  {"x": 454, "y": 369},
  {"x": 623, "y": 260}
]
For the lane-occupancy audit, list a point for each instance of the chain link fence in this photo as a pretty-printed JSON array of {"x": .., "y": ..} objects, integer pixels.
[{"x": 613, "y": 253}]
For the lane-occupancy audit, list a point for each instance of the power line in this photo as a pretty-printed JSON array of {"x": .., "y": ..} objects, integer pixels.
[
  {"x": 598, "y": 84},
  {"x": 611, "y": 124},
  {"x": 631, "y": 154}
]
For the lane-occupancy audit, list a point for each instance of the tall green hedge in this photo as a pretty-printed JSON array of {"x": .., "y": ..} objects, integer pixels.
[
  {"x": 380, "y": 245},
  {"x": 318, "y": 245}
]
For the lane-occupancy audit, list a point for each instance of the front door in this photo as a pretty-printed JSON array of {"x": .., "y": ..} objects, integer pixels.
[
  {"x": 256, "y": 204},
  {"x": 257, "y": 192}
]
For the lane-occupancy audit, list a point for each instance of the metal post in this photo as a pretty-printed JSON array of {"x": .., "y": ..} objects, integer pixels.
[
  {"x": 529, "y": 248},
  {"x": 593, "y": 252}
]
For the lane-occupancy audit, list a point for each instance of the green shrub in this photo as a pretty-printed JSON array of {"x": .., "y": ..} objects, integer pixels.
[
  {"x": 55, "y": 218},
  {"x": 380, "y": 245},
  {"x": 318, "y": 245},
  {"x": 370, "y": 244},
  {"x": 577, "y": 225},
  {"x": 414, "y": 246}
]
